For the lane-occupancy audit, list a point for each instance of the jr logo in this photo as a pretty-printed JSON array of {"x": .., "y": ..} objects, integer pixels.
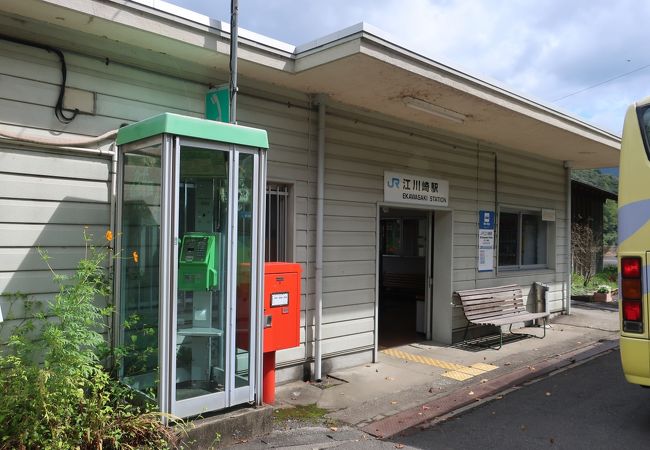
[{"x": 393, "y": 182}]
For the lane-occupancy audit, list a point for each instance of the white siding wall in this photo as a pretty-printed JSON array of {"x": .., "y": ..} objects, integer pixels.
[
  {"x": 46, "y": 198},
  {"x": 357, "y": 155}
]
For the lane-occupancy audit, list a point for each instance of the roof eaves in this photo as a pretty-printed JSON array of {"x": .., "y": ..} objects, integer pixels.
[
  {"x": 382, "y": 40},
  {"x": 491, "y": 87}
]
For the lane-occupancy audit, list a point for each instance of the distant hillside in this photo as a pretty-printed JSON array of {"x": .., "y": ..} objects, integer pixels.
[
  {"x": 610, "y": 171},
  {"x": 596, "y": 178},
  {"x": 608, "y": 182}
]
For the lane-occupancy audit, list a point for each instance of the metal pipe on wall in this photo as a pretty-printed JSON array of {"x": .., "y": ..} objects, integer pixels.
[
  {"x": 320, "y": 194},
  {"x": 567, "y": 306},
  {"x": 234, "y": 36}
]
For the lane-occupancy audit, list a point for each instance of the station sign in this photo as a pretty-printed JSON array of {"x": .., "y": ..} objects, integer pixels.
[{"x": 415, "y": 190}]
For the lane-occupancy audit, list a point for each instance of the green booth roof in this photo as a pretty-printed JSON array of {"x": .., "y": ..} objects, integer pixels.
[{"x": 193, "y": 127}]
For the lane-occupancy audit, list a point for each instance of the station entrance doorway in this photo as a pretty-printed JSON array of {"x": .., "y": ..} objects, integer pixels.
[{"x": 405, "y": 268}]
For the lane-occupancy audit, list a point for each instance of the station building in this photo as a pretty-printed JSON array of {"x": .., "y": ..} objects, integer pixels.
[{"x": 392, "y": 179}]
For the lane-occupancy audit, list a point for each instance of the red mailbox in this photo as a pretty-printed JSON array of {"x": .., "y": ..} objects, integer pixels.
[
  {"x": 281, "y": 317},
  {"x": 281, "y": 306}
]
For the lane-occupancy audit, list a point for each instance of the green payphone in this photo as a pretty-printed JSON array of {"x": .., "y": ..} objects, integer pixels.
[
  {"x": 198, "y": 266},
  {"x": 188, "y": 282},
  {"x": 202, "y": 302}
]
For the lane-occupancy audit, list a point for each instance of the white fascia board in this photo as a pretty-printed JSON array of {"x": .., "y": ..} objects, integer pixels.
[
  {"x": 204, "y": 20},
  {"x": 345, "y": 34},
  {"x": 159, "y": 15}
]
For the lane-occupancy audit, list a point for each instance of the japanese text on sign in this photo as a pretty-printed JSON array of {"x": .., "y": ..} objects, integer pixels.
[
  {"x": 486, "y": 241},
  {"x": 401, "y": 188}
]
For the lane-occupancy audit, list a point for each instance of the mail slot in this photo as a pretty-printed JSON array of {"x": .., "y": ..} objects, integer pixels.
[{"x": 281, "y": 305}]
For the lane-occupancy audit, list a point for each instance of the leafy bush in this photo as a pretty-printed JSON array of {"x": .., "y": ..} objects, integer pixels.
[
  {"x": 605, "y": 281},
  {"x": 55, "y": 392}
]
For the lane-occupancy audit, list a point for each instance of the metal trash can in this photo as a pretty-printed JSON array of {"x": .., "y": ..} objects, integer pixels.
[{"x": 539, "y": 296}]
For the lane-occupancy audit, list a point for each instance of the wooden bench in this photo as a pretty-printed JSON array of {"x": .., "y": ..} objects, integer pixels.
[{"x": 502, "y": 305}]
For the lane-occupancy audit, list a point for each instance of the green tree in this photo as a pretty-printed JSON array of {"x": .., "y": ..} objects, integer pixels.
[
  {"x": 610, "y": 223},
  {"x": 595, "y": 178}
]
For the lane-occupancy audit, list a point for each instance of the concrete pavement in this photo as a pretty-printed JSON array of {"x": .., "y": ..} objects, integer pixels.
[{"x": 420, "y": 382}]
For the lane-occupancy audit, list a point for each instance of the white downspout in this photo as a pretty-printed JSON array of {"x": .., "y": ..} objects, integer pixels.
[
  {"x": 567, "y": 167},
  {"x": 320, "y": 194}
]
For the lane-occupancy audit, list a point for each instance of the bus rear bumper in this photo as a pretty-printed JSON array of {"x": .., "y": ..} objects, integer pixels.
[{"x": 635, "y": 358}]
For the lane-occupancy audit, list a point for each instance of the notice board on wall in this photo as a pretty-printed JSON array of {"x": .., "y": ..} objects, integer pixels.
[{"x": 486, "y": 241}]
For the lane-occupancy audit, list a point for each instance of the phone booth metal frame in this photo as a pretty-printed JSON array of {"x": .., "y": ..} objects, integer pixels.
[{"x": 190, "y": 260}]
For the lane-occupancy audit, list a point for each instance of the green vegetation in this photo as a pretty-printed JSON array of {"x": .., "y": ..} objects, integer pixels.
[
  {"x": 302, "y": 413},
  {"x": 610, "y": 209},
  {"x": 54, "y": 391},
  {"x": 599, "y": 282},
  {"x": 610, "y": 223},
  {"x": 596, "y": 178}
]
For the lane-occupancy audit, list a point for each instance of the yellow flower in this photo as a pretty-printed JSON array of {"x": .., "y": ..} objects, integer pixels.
[
  {"x": 109, "y": 235},
  {"x": 136, "y": 257}
]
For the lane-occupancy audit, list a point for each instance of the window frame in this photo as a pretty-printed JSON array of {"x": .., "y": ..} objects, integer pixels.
[
  {"x": 289, "y": 196},
  {"x": 520, "y": 212}
]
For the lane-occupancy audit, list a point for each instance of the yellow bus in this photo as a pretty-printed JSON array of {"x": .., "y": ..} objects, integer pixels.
[{"x": 634, "y": 243}]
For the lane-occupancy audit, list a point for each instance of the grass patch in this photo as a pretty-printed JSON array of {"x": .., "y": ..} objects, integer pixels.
[{"x": 310, "y": 414}]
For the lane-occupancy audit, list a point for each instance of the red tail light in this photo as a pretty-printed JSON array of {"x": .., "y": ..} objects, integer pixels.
[
  {"x": 632, "y": 310},
  {"x": 632, "y": 294},
  {"x": 631, "y": 267},
  {"x": 631, "y": 289}
]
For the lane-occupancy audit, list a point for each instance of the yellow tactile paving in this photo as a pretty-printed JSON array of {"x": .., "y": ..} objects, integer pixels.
[
  {"x": 454, "y": 371},
  {"x": 458, "y": 376},
  {"x": 484, "y": 367},
  {"x": 422, "y": 359},
  {"x": 472, "y": 371}
]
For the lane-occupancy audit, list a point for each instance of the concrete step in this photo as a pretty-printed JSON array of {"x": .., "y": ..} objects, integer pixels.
[{"x": 227, "y": 428}]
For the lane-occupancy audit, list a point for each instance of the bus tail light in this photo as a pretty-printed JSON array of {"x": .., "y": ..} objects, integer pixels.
[
  {"x": 631, "y": 267},
  {"x": 632, "y": 294}
]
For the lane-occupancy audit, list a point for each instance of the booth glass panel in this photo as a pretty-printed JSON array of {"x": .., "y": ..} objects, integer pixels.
[
  {"x": 201, "y": 303},
  {"x": 244, "y": 264},
  {"x": 139, "y": 268}
]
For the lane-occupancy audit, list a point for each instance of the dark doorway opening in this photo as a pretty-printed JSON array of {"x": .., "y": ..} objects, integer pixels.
[{"x": 403, "y": 243}]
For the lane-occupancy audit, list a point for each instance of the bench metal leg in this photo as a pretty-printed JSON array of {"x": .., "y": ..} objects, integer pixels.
[
  {"x": 532, "y": 335},
  {"x": 501, "y": 335},
  {"x": 483, "y": 346},
  {"x": 500, "y": 340}
]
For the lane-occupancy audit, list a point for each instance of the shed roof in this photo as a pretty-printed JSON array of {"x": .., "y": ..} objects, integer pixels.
[
  {"x": 358, "y": 67},
  {"x": 583, "y": 188}
]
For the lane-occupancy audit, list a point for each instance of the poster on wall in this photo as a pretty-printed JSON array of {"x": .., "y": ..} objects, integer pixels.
[
  {"x": 486, "y": 241},
  {"x": 424, "y": 191}
]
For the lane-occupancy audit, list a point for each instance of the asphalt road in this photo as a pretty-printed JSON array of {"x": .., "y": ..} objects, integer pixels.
[{"x": 590, "y": 406}]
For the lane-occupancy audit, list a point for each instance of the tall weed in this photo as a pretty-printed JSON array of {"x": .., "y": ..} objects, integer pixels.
[{"x": 54, "y": 391}]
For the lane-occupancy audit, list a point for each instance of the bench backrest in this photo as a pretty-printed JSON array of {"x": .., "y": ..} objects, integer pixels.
[{"x": 481, "y": 304}]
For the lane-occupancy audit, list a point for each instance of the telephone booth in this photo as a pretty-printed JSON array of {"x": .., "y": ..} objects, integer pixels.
[{"x": 190, "y": 230}]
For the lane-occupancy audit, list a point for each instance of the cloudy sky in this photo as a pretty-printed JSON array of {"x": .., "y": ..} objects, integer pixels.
[{"x": 590, "y": 58}]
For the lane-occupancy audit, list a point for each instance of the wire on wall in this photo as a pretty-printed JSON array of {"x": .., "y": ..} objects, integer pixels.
[{"x": 59, "y": 111}]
